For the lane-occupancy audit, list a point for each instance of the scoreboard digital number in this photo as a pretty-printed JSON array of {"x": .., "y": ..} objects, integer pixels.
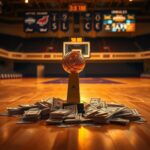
[{"x": 77, "y": 7}]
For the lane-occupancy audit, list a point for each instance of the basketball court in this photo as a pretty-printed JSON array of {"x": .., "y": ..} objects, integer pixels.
[
  {"x": 39, "y": 136},
  {"x": 74, "y": 75}
]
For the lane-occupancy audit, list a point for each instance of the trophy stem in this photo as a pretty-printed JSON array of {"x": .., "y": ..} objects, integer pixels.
[{"x": 73, "y": 94}]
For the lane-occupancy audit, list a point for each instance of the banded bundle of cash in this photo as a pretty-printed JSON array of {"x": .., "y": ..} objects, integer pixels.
[
  {"x": 103, "y": 115},
  {"x": 112, "y": 104},
  {"x": 72, "y": 121},
  {"x": 58, "y": 116},
  {"x": 102, "y": 112},
  {"x": 57, "y": 103},
  {"x": 27, "y": 106},
  {"x": 72, "y": 107},
  {"x": 53, "y": 121},
  {"x": 45, "y": 112},
  {"x": 96, "y": 115},
  {"x": 98, "y": 103},
  {"x": 14, "y": 111},
  {"x": 32, "y": 114},
  {"x": 127, "y": 115},
  {"x": 20, "y": 109},
  {"x": 45, "y": 103},
  {"x": 60, "y": 113},
  {"x": 130, "y": 114}
]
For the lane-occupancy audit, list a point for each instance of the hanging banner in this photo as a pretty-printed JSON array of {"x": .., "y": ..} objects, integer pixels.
[
  {"x": 1, "y": 4},
  {"x": 42, "y": 22},
  {"x": 54, "y": 21},
  {"x": 87, "y": 21},
  {"x": 30, "y": 22},
  {"x": 97, "y": 21},
  {"x": 64, "y": 21},
  {"x": 65, "y": 26}
]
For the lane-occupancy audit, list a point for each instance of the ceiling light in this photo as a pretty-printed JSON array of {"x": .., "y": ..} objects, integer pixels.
[{"x": 26, "y": 1}]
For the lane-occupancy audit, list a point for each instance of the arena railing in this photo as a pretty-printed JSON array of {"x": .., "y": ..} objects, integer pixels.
[{"x": 58, "y": 56}]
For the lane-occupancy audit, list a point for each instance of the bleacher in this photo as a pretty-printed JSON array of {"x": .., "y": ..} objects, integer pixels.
[
  {"x": 96, "y": 44},
  {"x": 41, "y": 45},
  {"x": 10, "y": 43},
  {"x": 144, "y": 41},
  {"x": 113, "y": 44},
  {"x": 121, "y": 44}
]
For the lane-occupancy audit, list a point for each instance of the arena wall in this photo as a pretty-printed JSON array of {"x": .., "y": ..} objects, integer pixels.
[{"x": 113, "y": 69}]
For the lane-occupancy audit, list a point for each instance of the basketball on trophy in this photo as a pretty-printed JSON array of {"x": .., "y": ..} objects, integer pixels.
[{"x": 73, "y": 62}]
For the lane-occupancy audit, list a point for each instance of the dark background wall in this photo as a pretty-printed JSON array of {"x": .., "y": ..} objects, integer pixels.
[
  {"x": 111, "y": 69},
  {"x": 27, "y": 69},
  {"x": 6, "y": 66},
  {"x": 147, "y": 66}
]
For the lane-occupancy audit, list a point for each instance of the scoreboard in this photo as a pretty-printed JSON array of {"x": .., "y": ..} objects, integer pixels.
[
  {"x": 77, "y": 7},
  {"x": 119, "y": 21}
]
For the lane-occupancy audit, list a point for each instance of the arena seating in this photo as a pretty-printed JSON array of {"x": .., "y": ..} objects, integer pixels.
[
  {"x": 121, "y": 44},
  {"x": 143, "y": 41},
  {"x": 42, "y": 45},
  {"x": 10, "y": 43},
  {"x": 96, "y": 44},
  {"x": 114, "y": 44}
]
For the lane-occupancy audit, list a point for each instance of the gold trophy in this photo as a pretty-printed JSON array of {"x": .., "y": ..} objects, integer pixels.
[{"x": 73, "y": 63}]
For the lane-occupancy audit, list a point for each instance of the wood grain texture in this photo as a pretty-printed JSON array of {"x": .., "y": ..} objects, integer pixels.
[{"x": 133, "y": 92}]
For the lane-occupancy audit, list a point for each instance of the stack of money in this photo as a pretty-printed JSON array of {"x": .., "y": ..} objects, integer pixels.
[
  {"x": 86, "y": 106},
  {"x": 85, "y": 120},
  {"x": 112, "y": 104},
  {"x": 72, "y": 107},
  {"x": 119, "y": 121},
  {"x": 44, "y": 103},
  {"x": 57, "y": 103},
  {"x": 98, "y": 116},
  {"x": 60, "y": 114},
  {"x": 127, "y": 115},
  {"x": 103, "y": 115},
  {"x": 130, "y": 114},
  {"x": 102, "y": 112},
  {"x": 98, "y": 103},
  {"x": 70, "y": 116},
  {"x": 27, "y": 106},
  {"x": 95, "y": 102},
  {"x": 72, "y": 121},
  {"x": 103, "y": 104},
  {"x": 112, "y": 111},
  {"x": 32, "y": 114},
  {"x": 14, "y": 111},
  {"x": 90, "y": 113},
  {"x": 53, "y": 121},
  {"x": 45, "y": 112}
]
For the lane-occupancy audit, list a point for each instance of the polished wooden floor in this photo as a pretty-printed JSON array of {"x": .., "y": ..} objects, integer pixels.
[{"x": 134, "y": 92}]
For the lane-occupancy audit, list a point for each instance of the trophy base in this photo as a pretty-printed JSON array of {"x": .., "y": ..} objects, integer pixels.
[{"x": 79, "y": 107}]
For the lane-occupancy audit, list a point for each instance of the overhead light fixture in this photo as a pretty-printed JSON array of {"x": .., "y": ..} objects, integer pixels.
[
  {"x": 130, "y": 0},
  {"x": 26, "y": 1}
]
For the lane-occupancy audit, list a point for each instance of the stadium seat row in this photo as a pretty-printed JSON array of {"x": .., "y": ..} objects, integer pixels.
[{"x": 10, "y": 76}]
